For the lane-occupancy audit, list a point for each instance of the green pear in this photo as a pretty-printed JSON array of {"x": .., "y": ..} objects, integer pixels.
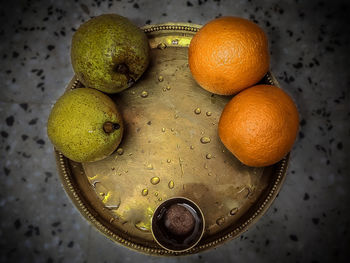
[
  {"x": 109, "y": 53},
  {"x": 85, "y": 125}
]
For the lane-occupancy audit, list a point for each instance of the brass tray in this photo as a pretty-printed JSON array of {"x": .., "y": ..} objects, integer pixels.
[{"x": 165, "y": 153}]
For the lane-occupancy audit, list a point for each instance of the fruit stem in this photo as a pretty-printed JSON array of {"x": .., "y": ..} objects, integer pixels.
[{"x": 110, "y": 127}]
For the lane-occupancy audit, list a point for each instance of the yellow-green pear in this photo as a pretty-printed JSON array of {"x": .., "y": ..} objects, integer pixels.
[
  {"x": 85, "y": 125},
  {"x": 109, "y": 53}
]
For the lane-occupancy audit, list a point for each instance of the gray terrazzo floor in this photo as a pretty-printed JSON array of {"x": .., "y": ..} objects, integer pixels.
[{"x": 309, "y": 41}]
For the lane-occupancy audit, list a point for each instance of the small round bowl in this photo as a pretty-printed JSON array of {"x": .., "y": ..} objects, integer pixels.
[{"x": 178, "y": 224}]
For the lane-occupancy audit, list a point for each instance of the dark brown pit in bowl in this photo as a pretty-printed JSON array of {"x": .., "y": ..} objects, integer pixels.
[
  {"x": 179, "y": 220},
  {"x": 178, "y": 224}
]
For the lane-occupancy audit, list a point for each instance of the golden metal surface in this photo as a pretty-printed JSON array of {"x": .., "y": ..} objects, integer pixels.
[{"x": 170, "y": 148}]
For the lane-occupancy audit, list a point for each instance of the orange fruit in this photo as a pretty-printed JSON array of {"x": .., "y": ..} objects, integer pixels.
[
  {"x": 228, "y": 55},
  {"x": 259, "y": 125}
]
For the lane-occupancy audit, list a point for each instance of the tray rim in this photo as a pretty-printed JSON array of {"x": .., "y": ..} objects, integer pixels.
[{"x": 73, "y": 193}]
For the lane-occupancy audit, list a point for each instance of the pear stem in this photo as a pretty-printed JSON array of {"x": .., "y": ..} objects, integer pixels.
[{"x": 110, "y": 127}]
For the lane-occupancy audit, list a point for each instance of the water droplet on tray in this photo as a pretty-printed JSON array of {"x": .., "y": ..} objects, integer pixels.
[
  {"x": 113, "y": 207},
  {"x": 205, "y": 140},
  {"x": 251, "y": 192},
  {"x": 168, "y": 161},
  {"x": 191, "y": 147},
  {"x": 208, "y": 156},
  {"x": 144, "y": 192},
  {"x": 163, "y": 129},
  {"x": 208, "y": 113},
  {"x": 111, "y": 199},
  {"x": 220, "y": 221},
  {"x": 149, "y": 166},
  {"x": 168, "y": 88},
  {"x": 142, "y": 227},
  {"x": 144, "y": 94},
  {"x": 161, "y": 46},
  {"x": 234, "y": 211},
  {"x": 171, "y": 184},
  {"x": 197, "y": 111},
  {"x": 155, "y": 180},
  {"x": 120, "y": 151},
  {"x": 160, "y": 78}
]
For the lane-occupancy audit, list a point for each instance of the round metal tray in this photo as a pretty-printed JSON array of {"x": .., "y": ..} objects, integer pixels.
[{"x": 165, "y": 152}]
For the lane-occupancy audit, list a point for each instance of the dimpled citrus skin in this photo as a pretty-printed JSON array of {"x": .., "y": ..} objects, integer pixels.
[
  {"x": 259, "y": 125},
  {"x": 228, "y": 55},
  {"x": 101, "y": 44},
  {"x": 75, "y": 125}
]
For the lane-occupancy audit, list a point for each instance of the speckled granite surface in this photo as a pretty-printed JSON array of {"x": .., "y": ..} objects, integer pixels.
[{"x": 309, "y": 40}]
